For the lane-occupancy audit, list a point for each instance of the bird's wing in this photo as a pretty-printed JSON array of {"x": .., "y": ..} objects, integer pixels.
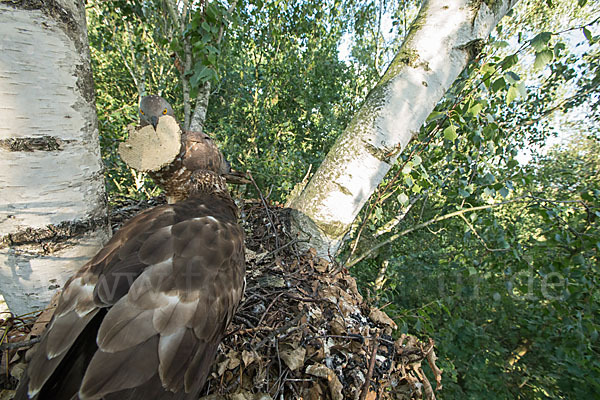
[
  {"x": 171, "y": 320},
  {"x": 78, "y": 304}
]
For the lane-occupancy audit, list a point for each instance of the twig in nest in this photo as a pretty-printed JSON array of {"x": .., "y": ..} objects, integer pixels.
[
  {"x": 365, "y": 389},
  {"x": 268, "y": 308},
  {"x": 251, "y": 330},
  {"x": 431, "y": 358},
  {"x": 267, "y": 211},
  {"x": 278, "y": 249},
  {"x": 305, "y": 299},
  {"x": 18, "y": 345}
]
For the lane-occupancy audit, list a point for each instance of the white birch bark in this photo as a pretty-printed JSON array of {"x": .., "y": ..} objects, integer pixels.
[
  {"x": 199, "y": 114},
  {"x": 439, "y": 45},
  {"x": 52, "y": 199}
]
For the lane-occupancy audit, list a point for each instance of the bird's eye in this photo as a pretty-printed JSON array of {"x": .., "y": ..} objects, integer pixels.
[
  {"x": 143, "y": 113},
  {"x": 165, "y": 111}
]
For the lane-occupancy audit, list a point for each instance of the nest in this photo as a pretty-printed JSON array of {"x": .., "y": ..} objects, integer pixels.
[{"x": 302, "y": 330}]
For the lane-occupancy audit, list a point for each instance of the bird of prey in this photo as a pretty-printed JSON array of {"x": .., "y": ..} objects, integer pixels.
[
  {"x": 153, "y": 107},
  {"x": 198, "y": 150},
  {"x": 143, "y": 319}
]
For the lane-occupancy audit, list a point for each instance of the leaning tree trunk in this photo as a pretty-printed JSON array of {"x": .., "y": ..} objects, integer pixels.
[
  {"x": 52, "y": 199},
  {"x": 441, "y": 41}
]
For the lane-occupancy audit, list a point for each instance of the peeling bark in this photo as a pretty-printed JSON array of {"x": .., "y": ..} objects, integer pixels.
[
  {"x": 442, "y": 40},
  {"x": 51, "y": 176}
]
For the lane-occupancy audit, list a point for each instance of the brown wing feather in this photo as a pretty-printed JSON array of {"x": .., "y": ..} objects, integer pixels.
[
  {"x": 182, "y": 302},
  {"x": 170, "y": 279}
]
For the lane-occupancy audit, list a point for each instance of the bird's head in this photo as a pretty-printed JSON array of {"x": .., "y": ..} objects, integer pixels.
[{"x": 152, "y": 108}]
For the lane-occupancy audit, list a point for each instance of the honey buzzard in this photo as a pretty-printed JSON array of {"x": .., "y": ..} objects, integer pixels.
[
  {"x": 143, "y": 319},
  {"x": 198, "y": 150}
]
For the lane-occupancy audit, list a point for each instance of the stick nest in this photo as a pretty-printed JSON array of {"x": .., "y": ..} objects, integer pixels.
[{"x": 302, "y": 330}]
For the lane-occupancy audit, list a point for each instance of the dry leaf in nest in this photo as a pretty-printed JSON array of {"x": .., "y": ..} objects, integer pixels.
[
  {"x": 147, "y": 149},
  {"x": 371, "y": 396},
  {"x": 293, "y": 357},
  {"x": 249, "y": 357},
  {"x": 321, "y": 371},
  {"x": 382, "y": 318}
]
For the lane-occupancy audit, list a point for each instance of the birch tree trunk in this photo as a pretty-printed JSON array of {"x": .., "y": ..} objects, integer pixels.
[
  {"x": 442, "y": 40},
  {"x": 199, "y": 114},
  {"x": 52, "y": 199}
]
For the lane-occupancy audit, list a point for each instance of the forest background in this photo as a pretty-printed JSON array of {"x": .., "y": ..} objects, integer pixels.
[{"x": 485, "y": 233}]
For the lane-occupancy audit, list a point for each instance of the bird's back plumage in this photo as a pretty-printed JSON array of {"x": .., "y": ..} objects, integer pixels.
[{"x": 143, "y": 319}]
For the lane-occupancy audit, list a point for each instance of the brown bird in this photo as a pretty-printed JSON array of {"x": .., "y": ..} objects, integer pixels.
[
  {"x": 143, "y": 319},
  {"x": 198, "y": 150}
]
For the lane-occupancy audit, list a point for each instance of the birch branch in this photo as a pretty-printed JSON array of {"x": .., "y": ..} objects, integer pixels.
[{"x": 427, "y": 223}]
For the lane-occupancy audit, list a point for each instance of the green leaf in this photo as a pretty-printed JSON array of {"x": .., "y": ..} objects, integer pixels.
[
  {"x": 509, "y": 61},
  {"x": 211, "y": 12},
  {"x": 542, "y": 58},
  {"x": 489, "y": 178},
  {"x": 450, "y": 133},
  {"x": 511, "y": 77},
  {"x": 403, "y": 199},
  {"x": 417, "y": 160},
  {"x": 500, "y": 44},
  {"x": 435, "y": 115},
  {"x": 522, "y": 90},
  {"x": 540, "y": 41},
  {"x": 407, "y": 168},
  {"x": 498, "y": 84},
  {"x": 202, "y": 74},
  {"x": 588, "y": 34},
  {"x": 504, "y": 192},
  {"x": 475, "y": 109},
  {"x": 511, "y": 95}
]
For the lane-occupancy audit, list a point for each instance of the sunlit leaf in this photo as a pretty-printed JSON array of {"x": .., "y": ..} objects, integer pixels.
[
  {"x": 403, "y": 199},
  {"x": 542, "y": 58},
  {"x": 512, "y": 94},
  {"x": 435, "y": 115},
  {"x": 522, "y": 89},
  {"x": 450, "y": 133},
  {"x": 475, "y": 109}
]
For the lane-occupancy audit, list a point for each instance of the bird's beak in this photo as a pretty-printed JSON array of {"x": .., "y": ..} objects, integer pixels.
[{"x": 154, "y": 121}]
